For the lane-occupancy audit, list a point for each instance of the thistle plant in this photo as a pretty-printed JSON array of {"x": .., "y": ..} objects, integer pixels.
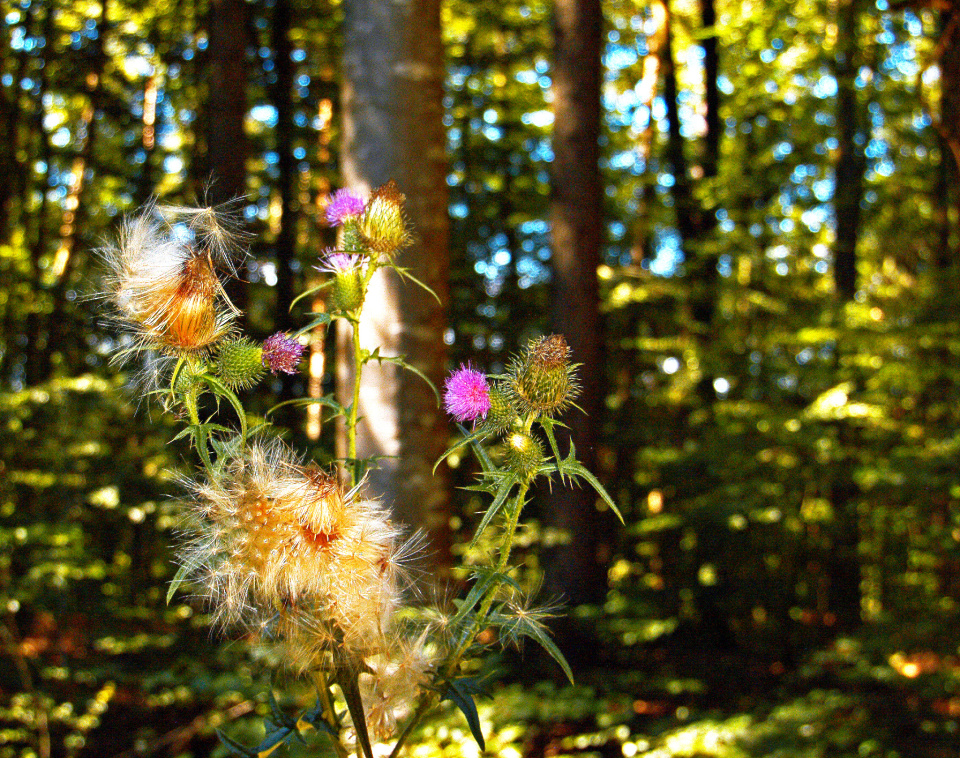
[{"x": 297, "y": 555}]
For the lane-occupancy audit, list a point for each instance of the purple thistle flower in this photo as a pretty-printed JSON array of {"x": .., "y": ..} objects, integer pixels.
[
  {"x": 334, "y": 262},
  {"x": 342, "y": 205},
  {"x": 280, "y": 353},
  {"x": 466, "y": 394}
]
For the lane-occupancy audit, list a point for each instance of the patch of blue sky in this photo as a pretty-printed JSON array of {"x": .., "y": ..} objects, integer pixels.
[
  {"x": 823, "y": 190},
  {"x": 540, "y": 119},
  {"x": 883, "y": 167},
  {"x": 265, "y": 114},
  {"x": 876, "y": 148},
  {"x": 781, "y": 150},
  {"x": 619, "y": 57},
  {"x": 534, "y": 226},
  {"x": 815, "y": 218},
  {"x": 668, "y": 256},
  {"x": 623, "y": 161},
  {"x": 825, "y": 87},
  {"x": 528, "y": 76}
]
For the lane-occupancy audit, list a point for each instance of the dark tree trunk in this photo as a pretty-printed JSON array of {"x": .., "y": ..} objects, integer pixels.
[
  {"x": 848, "y": 174},
  {"x": 226, "y": 110},
  {"x": 948, "y": 193},
  {"x": 393, "y": 129},
  {"x": 844, "y": 570},
  {"x": 578, "y": 569},
  {"x": 60, "y": 327},
  {"x": 283, "y": 102}
]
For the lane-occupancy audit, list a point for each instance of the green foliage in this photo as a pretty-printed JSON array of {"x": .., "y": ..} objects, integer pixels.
[{"x": 785, "y": 471}]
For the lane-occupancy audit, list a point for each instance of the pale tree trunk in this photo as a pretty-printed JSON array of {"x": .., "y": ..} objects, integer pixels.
[
  {"x": 577, "y": 570},
  {"x": 393, "y": 129}
]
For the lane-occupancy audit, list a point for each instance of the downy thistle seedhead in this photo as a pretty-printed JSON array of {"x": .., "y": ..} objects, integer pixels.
[
  {"x": 393, "y": 681},
  {"x": 163, "y": 279},
  {"x": 269, "y": 533},
  {"x": 343, "y": 204},
  {"x": 543, "y": 379},
  {"x": 383, "y": 224},
  {"x": 466, "y": 394},
  {"x": 281, "y": 353}
]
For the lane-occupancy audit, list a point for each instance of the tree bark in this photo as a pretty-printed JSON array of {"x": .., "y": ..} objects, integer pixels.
[
  {"x": 227, "y": 108},
  {"x": 848, "y": 173},
  {"x": 845, "y": 569},
  {"x": 948, "y": 194},
  {"x": 578, "y": 569},
  {"x": 393, "y": 129},
  {"x": 283, "y": 102}
]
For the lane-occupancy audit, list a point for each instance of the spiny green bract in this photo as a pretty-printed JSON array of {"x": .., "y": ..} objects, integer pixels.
[
  {"x": 523, "y": 455},
  {"x": 239, "y": 363}
]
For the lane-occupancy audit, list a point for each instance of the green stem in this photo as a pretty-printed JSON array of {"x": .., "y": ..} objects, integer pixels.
[
  {"x": 330, "y": 713},
  {"x": 199, "y": 435},
  {"x": 349, "y": 681},
  {"x": 506, "y": 546},
  {"x": 355, "y": 405}
]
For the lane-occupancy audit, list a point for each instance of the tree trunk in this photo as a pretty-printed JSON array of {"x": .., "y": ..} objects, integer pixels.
[
  {"x": 393, "y": 129},
  {"x": 948, "y": 194},
  {"x": 60, "y": 329},
  {"x": 227, "y": 108},
  {"x": 845, "y": 560},
  {"x": 848, "y": 174},
  {"x": 283, "y": 102},
  {"x": 578, "y": 569}
]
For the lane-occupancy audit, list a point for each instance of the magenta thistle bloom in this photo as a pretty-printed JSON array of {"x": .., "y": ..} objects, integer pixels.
[
  {"x": 466, "y": 394},
  {"x": 334, "y": 262},
  {"x": 280, "y": 353},
  {"x": 342, "y": 205}
]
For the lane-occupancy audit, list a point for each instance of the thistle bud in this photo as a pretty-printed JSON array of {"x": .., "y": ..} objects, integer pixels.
[
  {"x": 501, "y": 413},
  {"x": 186, "y": 378},
  {"x": 239, "y": 363},
  {"x": 347, "y": 273},
  {"x": 523, "y": 455},
  {"x": 383, "y": 225},
  {"x": 544, "y": 380}
]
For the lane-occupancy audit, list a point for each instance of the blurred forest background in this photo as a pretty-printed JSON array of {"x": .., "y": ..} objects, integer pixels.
[{"x": 768, "y": 193}]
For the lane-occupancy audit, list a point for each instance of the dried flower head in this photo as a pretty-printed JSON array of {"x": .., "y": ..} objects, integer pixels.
[
  {"x": 383, "y": 225},
  {"x": 164, "y": 278},
  {"x": 343, "y": 204},
  {"x": 281, "y": 353},
  {"x": 270, "y": 533},
  {"x": 543, "y": 379},
  {"x": 466, "y": 394}
]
